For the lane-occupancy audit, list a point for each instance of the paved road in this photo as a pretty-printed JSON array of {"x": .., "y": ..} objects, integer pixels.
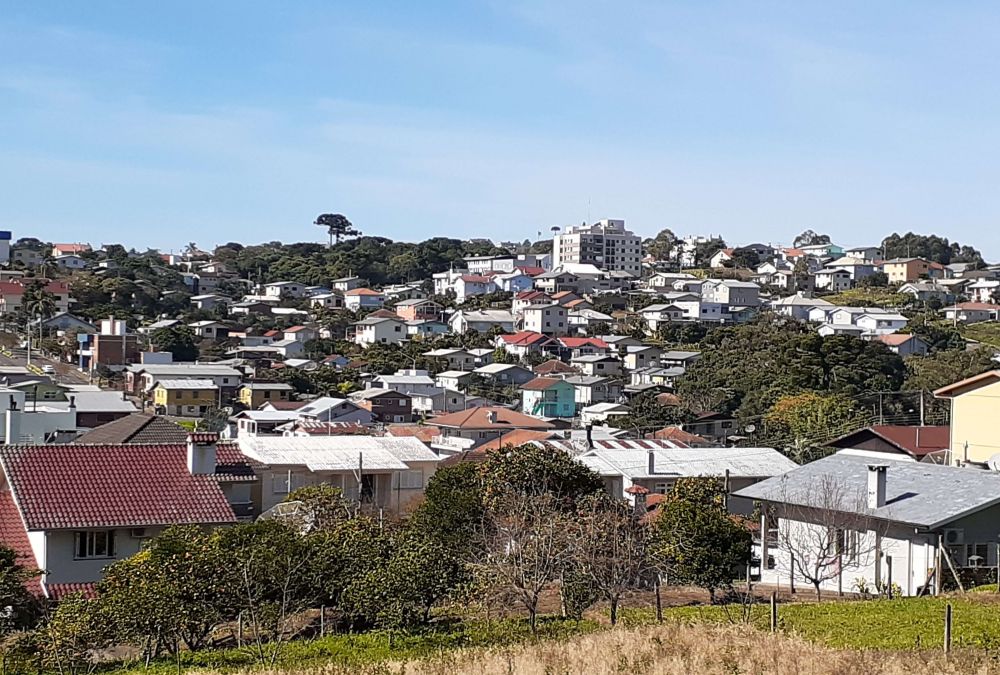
[{"x": 65, "y": 373}]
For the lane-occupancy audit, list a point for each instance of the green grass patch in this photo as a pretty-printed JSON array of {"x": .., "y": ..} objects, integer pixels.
[
  {"x": 869, "y": 297},
  {"x": 908, "y": 623},
  {"x": 363, "y": 649},
  {"x": 987, "y": 332}
]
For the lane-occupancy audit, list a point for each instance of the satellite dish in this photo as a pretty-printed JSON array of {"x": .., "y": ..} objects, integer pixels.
[
  {"x": 994, "y": 462},
  {"x": 750, "y": 428}
]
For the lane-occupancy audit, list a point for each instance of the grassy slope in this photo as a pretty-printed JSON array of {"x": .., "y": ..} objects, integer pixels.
[
  {"x": 987, "y": 332},
  {"x": 859, "y": 627}
]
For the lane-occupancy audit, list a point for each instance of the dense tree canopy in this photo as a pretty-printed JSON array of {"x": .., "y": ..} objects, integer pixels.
[
  {"x": 745, "y": 369},
  {"x": 931, "y": 247}
]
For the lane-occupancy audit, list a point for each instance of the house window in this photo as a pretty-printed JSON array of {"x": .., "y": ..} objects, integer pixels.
[
  {"x": 847, "y": 543},
  {"x": 410, "y": 480},
  {"x": 661, "y": 488},
  {"x": 99, "y": 544}
]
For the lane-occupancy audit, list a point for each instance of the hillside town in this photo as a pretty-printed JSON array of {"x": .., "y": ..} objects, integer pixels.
[{"x": 840, "y": 399}]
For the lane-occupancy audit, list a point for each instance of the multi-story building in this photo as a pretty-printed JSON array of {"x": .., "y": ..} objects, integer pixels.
[{"x": 606, "y": 244}]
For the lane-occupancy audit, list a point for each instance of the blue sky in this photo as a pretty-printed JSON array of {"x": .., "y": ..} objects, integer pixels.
[{"x": 162, "y": 123}]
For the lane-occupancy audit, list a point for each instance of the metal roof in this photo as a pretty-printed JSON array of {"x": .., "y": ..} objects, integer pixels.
[
  {"x": 630, "y": 458},
  {"x": 185, "y": 383},
  {"x": 338, "y": 453},
  {"x": 925, "y": 495}
]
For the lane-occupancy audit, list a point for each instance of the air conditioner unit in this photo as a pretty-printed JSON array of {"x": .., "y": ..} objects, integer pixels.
[
  {"x": 954, "y": 537},
  {"x": 138, "y": 533}
]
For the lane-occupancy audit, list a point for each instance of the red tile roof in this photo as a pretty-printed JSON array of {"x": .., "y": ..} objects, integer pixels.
[
  {"x": 475, "y": 279},
  {"x": 531, "y": 295},
  {"x": 524, "y": 337},
  {"x": 71, "y": 248},
  {"x": 14, "y": 536},
  {"x": 531, "y": 271},
  {"x": 361, "y": 291},
  {"x": 678, "y": 435},
  {"x": 576, "y": 342},
  {"x": 541, "y": 383},
  {"x": 914, "y": 441},
  {"x": 896, "y": 339},
  {"x": 514, "y": 438},
  {"x": 554, "y": 366},
  {"x": 477, "y": 418},
  {"x": 60, "y": 591},
  {"x": 418, "y": 431},
  {"x": 284, "y": 405},
  {"x": 81, "y": 486},
  {"x": 984, "y": 306}
]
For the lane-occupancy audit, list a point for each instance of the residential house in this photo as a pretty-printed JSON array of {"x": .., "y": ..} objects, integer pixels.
[
  {"x": 480, "y": 321},
  {"x": 586, "y": 320},
  {"x": 70, "y": 262},
  {"x": 70, "y": 249},
  {"x": 730, "y": 293},
  {"x": 456, "y": 380},
  {"x": 548, "y": 397},
  {"x": 285, "y": 289},
  {"x": 528, "y": 298},
  {"x": 655, "y": 465},
  {"x": 332, "y": 409},
  {"x": 972, "y": 312},
  {"x": 857, "y": 268},
  {"x": 426, "y": 329},
  {"x": 140, "y": 377},
  {"x": 12, "y": 293},
  {"x": 505, "y": 374},
  {"x": 185, "y": 397},
  {"x": 380, "y": 472},
  {"x": 721, "y": 257},
  {"x": 345, "y": 284},
  {"x": 904, "y": 344},
  {"x": 641, "y": 356},
  {"x": 362, "y": 298},
  {"x": 919, "y": 443},
  {"x": 975, "y": 407},
  {"x": 798, "y": 306},
  {"x": 72, "y": 510},
  {"x": 714, "y": 426},
  {"x": 418, "y": 309},
  {"x": 657, "y": 315},
  {"x": 927, "y": 292},
  {"x": 591, "y": 389},
  {"x": 858, "y": 516},
  {"x": 408, "y": 381},
  {"x": 379, "y": 330},
  {"x": 677, "y": 358},
  {"x": 255, "y": 394},
  {"x": 602, "y": 412},
  {"x": 984, "y": 290},
  {"x": 603, "y": 365},
  {"x": 870, "y": 254},
  {"x": 209, "y": 301},
  {"x": 822, "y": 250},
  {"x": 523, "y": 343},
  {"x": 209, "y": 330},
  {"x": 513, "y": 282},
  {"x": 833, "y": 279},
  {"x": 386, "y": 405},
  {"x": 331, "y": 300},
  {"x": 545, "y": 319},
  {"x": 582, "y": 346},
  {"x": 905, "y": 270},
  {"x": 456, "y": 359},
  {"x": 468, "y": 429}
]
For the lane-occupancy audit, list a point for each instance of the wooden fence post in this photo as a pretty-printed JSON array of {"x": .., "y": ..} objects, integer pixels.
[
  {"x": 791, "y": 572},
  {"x": 947, "y": 628},
  {"x": 239, "y": 629},
  {"x": 774, "y": 611},
  {"x": 888, "y": 576},
  {"x": 659, "y": 602}
]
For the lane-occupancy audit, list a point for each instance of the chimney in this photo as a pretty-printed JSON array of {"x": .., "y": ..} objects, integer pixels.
[
  {"x": 491, "y": 416},
  {"x": 72, "y": 402},
  {"x": 201, "y": 453},
  {"x": 651, "y": 462},
  {"x": 590, "y": 435},
  {"x": 876, "y": 485},
  {"x": 12, "y": 426}
]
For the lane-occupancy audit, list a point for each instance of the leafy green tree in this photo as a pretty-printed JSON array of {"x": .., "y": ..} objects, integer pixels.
[
  {"x": 337, "y": 226},
  {"x": 810, "y": 238},
  {"x": 74, "y": 636},
  {"x": 646, "y": 415},
  {"x": 876, "y": 280},
  {"x": 179, "y": 340},
  {"x": 322, "y": 507},
  {"x": 532, "y": 470},
  {"x": 661, "y": 247},
  {"x": 23, "y": 606},
  {"x": 937, "y": 335},
  {"x": 701, "y": 546},
  {"x": 805, "y": 421},
  {"x": 452, "y": 509}
]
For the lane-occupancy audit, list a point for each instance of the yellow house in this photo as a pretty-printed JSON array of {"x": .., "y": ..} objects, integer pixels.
[
  {"x": 975, "y": 418},
  {"x": 255, "y": 394},
  {"x": 905, "y": 270},
  {"x": 185, "y": 397}
]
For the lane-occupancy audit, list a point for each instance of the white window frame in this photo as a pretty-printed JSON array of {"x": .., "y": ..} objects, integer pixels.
[{"x": 96, "y": 544}]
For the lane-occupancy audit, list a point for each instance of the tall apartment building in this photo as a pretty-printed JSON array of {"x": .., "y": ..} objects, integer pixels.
[{"x": 606, "y": 245}]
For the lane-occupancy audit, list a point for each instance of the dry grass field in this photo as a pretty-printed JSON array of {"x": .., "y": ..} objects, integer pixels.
[{"x": 670, "y": 649}]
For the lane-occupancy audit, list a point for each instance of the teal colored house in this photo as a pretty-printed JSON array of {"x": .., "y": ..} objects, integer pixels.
[{"x": 548, "y": 397}]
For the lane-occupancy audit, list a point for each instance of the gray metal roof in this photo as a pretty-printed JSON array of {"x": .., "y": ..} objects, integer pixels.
[
  {"x": 338, "y": 453},
  {"x": 925, "y": 495},
  {"x": 630, "y": 458}
]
